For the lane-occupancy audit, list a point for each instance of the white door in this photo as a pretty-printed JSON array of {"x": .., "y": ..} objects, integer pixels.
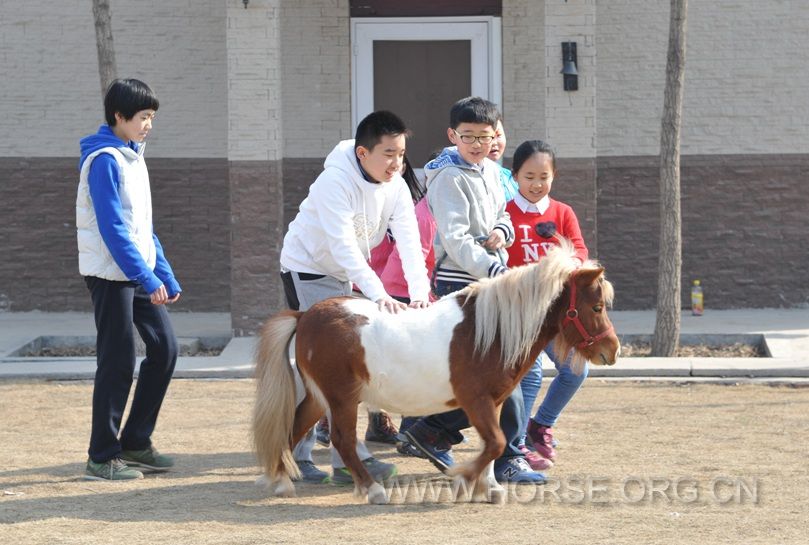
[{"x": 418, "y": 67}]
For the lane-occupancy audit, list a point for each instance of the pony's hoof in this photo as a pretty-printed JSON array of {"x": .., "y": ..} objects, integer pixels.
[
  {"x": 497, "y": 495},
  {"x": 376, "y": 495},
  {"x": 263, "y": 481},
  {"x": 285, "y": 489}
]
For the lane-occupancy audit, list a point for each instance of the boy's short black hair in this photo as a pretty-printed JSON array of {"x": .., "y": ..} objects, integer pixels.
[
  {"x": 127, "y": 97},
  {"x": 474, "y": 110},
  {"x": 376, "y": 125}
]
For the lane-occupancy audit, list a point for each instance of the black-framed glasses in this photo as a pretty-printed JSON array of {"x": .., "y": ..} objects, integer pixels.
[{"x": 470, "y": 139}]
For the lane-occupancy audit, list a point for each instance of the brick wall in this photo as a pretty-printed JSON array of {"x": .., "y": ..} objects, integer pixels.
[
  {"x": 38, "y": 206},
  {"x": 51, "y": 88},
  {"x": 749, "y": 248},
  {"x": 570, "y": 116},
  {"x": 255, "y": 148},
  {"x": 298, "y": 176},
  {"x": 257, "y": 216},
  {"x": 523, "y": 29},
  {"x": 316, "y": 85},
  {"x": 745, "y": 80},
  {"x": 253, "y": 99}
]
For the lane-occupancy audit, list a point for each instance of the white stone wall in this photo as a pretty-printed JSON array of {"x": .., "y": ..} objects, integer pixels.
[
  {"x": 49, "y": 68},
  {"x": 523, "y": 25},
  {"x": 570, "y": 116},
  {"x": 535, "y": 105},
  {"x": 316, "y": 86},
  {"x": 255, "y": 130},
  {"x": 746, "y": 79}
]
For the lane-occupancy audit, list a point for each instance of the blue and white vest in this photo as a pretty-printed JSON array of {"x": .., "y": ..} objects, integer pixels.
[{"x": 136, "y": 206}]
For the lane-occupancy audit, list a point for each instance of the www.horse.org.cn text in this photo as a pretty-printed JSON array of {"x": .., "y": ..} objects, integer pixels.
[{"x": 593, "y": 490}]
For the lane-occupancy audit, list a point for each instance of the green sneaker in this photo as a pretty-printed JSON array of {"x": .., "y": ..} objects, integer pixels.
[
  {"x": 111, "y": 470},
  {"x": 380, "y": 472},
  {"x": 148, "y": 458}
]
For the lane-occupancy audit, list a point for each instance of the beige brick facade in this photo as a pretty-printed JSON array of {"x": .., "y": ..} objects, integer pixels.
[
  {"x": 316, "y": 85},
  {"x": 523, "y": 71},
  {"x": 745, "y": 83},
  {"x": 254, "y": 82},
  {"x": 570, "y": 116},
  {"x": 253, "y": 99},
  {"x": 51, "y": 88}
]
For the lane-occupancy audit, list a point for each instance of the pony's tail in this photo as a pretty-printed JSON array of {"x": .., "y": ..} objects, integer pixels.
[{"x": 274, "y": 411}]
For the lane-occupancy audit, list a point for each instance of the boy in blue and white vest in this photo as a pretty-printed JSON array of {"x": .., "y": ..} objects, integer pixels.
[{"x": 130, "y": 282}]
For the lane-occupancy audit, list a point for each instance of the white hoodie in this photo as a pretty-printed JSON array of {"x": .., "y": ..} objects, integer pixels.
[{"x": 344, "y": 217}]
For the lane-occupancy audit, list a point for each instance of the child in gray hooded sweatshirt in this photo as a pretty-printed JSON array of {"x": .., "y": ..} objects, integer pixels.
[{"x": 467, "y": 201}]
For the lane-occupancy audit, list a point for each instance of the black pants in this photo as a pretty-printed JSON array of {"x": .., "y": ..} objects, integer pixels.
[
  {"x": 512, "y": 415},
  {"x": 120, "y": 307}
]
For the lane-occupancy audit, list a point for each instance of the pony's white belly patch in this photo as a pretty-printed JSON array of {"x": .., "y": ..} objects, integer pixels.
[{"x": 407, "y": 356}]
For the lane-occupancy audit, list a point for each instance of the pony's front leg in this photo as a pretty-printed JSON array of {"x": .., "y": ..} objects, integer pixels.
[
  {"x": 344, "y": 439},
  {"x": 487, "y": 488}
]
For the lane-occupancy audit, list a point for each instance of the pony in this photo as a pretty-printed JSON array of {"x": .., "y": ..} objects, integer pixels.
[{"x": 469, "y": 349}]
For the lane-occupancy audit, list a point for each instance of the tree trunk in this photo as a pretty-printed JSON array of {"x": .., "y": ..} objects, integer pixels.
[
  {"x": 106, "y": 51},
  {"x": 667, "y": 326}
]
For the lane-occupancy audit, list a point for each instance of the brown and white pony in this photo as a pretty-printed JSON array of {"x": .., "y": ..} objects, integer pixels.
[{"x": 469, "y": 350}]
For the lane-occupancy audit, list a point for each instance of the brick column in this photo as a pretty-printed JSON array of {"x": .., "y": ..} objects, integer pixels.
[
  {"x": 570, "y": 116},
  {"x": 254, "y": 156}
]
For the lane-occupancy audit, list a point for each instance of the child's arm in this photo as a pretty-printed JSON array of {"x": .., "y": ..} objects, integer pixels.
[
  {"x": 104, "y": 178},
  {"x": 572, "y": 231},
  {"x": 451, "y": 207},
  {"x": 504, "y": 224},
  {"x": 163, "y": 270}
]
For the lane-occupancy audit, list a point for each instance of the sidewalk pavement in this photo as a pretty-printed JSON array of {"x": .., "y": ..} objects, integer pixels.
[{"x": 785, "y": 331}]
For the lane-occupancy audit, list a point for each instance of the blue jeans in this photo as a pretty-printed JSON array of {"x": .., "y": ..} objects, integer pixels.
[
  {"x": 560, "y": 392},
  {"x": 512, "y": 415}
]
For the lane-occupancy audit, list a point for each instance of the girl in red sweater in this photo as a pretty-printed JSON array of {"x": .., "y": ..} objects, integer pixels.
[{"x": 536, "y": 219}]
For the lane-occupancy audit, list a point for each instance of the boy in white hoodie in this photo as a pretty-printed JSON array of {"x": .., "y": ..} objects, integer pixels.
[{"x": 350, "y": 206}]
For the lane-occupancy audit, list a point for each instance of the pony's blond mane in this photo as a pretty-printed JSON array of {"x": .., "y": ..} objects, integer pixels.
[{"x": 515, "y": 303}]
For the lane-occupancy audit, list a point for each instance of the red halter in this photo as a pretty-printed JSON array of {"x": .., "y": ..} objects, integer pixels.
[{"x": 572, "y": 315}]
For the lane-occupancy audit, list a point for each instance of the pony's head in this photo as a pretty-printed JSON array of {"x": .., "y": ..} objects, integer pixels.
[{"x": 585, "y": 326}]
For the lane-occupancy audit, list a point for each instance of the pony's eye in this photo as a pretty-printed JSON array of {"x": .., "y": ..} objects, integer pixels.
[{"x": 598, "y": 308}]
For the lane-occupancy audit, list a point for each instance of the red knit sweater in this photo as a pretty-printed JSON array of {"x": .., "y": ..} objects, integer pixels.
[{"x": 529, "y": 246}]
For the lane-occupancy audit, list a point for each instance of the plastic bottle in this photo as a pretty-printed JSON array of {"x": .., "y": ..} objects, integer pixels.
[{"x": 696, "y": 299}]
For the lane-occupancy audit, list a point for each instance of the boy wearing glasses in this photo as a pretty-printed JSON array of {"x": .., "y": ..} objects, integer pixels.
[{"x": 467, "y": 201}]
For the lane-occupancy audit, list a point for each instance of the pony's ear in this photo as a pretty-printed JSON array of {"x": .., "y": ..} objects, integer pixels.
[{"x": 589, "y": 276}]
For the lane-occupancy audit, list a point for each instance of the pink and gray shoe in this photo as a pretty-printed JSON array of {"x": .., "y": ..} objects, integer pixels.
[
  {"x": 537, "y": 462},
  {"x": 542, "y": 439}
]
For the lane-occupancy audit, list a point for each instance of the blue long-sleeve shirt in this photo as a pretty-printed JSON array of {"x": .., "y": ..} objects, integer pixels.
[{"x": 104, "y": 181}]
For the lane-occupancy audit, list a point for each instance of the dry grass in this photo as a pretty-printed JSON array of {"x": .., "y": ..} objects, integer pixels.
[{"x": 615, "y": 438}]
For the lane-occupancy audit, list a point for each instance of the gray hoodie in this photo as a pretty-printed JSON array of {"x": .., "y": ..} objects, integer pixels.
[{"x": 467, "y": 202}]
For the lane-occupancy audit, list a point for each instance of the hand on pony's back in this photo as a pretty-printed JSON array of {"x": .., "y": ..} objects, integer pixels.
[{"x": 391, "y": 305}]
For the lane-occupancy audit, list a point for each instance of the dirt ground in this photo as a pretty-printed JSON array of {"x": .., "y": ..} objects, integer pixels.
[{"x": 638, "y": 463}]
